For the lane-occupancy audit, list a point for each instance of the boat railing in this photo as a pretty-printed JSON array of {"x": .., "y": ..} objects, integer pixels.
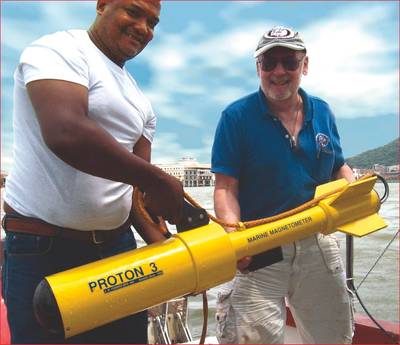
[{"x": 168, "y": 323}]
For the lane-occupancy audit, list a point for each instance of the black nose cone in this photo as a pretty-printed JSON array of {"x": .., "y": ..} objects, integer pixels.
[{"x": 46, "y": 309}]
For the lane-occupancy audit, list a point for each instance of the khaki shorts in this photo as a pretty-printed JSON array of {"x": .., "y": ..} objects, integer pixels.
[{"x": 252, "y": 308}]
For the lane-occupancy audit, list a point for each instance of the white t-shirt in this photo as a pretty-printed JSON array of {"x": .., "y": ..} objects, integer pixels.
[{"x": 40, "y": 184}]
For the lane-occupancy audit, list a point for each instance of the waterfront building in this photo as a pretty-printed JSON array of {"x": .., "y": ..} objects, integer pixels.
[
  {"x": 190, "y": 172},
  {"x": 391, "y": 173}
]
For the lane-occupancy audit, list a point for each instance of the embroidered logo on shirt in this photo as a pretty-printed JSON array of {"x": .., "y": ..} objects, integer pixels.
[{"x": 322, "y": 140}]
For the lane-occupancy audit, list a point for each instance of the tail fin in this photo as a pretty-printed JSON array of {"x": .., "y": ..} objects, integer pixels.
[
  {"x": 329, "y": 187},
  {"x": 354, "y": 189},
  {"x": 351, "y": 193},
  {"x": 350, "y": 190},
  {"x": 364, "y": 226}
]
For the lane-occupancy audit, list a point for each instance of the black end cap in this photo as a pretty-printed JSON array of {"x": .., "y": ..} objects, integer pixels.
[{"x": 46, "y": 309}]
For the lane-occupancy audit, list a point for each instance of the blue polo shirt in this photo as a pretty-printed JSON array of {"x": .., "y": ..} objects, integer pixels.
[{"x": 252, "y": 145}]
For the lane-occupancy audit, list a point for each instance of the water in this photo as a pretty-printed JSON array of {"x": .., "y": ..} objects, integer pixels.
[{"x": 379, "y": 292}]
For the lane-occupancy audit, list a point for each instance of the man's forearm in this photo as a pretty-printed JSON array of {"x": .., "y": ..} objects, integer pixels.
[
  {"x": 226, "y": 206},
  {"x": 62, "y": 111},
  {"x": 345, "y": 172},
  {"x": 148, "y": 232}
]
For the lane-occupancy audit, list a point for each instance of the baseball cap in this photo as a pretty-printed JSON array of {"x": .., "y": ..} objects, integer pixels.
[{"x": 279, "y": 36}]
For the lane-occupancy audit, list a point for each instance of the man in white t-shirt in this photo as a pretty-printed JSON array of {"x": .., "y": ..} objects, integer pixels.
[{"x": 82, "y": 139}]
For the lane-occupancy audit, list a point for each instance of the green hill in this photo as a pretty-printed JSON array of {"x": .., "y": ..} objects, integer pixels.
[{"x": 384, "y": 155}]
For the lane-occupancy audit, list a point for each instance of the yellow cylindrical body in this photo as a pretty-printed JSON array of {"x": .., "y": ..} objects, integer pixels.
[
  {"x": 323, "y": 218},
  {"x": 271, "y": 235},
  {"x": 348, "y": 210},
  {"x": 190, "y": 262},
  {"x": 100, "y": 292},
  {"x": 214, "y": 257}
]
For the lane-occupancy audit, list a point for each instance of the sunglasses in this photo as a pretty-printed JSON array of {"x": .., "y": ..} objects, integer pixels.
[{"x": 289, "y": 63}]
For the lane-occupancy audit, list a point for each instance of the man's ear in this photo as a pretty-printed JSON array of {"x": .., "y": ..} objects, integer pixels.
[
  {"x": 101, "y": 4},
  {"x": 305, "y": 66},
  {"x": 258, "y": 68}
]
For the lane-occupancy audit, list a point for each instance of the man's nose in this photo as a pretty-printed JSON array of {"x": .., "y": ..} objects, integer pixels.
[
  {"x": 279, "y": 69},
  {"x": 142, "y": 27}
]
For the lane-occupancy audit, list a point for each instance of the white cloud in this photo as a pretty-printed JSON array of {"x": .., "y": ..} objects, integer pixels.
[
  {"x": 6, "y": 163},
  {"x": 167, "y": 148},
  {"x": 343, "y": 49},
  {"x": 171, "y": 60},
  {"x": 235, "y": 11},
  {"x": 197, "y": 72},
  {"x": 348, "y": 63},
  {"x": 63, "y": 15},
  {"x": 7, "y": 93},
  {"x": 52, "y": 16},
  {"x": 198, "y": 66},
  {"x": 348, "y": 68},
  {"x": 227, "y": 95}
]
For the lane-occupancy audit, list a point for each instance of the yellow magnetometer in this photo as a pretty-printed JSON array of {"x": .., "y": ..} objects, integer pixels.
[{"x": 86, "y": 297}]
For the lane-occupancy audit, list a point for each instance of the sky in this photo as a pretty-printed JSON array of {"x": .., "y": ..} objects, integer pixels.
[{"x": 201, "y": 60}]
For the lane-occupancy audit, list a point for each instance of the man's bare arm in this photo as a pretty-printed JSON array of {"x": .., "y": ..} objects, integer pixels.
[
  {"x": 345, "y": 172},
  {"x": 226, "y": 204},
  {"x": 62, "y": 111},
  {"x": 148, "y": 232},
  {"x": 227, "y": 208}
]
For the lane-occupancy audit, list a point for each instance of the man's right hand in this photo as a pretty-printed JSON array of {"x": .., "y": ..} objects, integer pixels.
[
  {"x": 243, "y": 264},
  {"x": 165, "y": 198}
]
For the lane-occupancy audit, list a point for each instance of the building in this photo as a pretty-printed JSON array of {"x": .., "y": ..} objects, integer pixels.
[
  {"x": 175, "y": 170},
  {"x": 391, "y": 173},
  {"x": 190, "y": 172},
  {"x": 198, "y": 177}
]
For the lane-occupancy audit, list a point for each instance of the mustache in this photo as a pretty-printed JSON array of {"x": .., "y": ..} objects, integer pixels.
[{"x": 280, "y": 80}]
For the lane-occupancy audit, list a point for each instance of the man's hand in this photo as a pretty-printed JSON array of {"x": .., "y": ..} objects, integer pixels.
[
  {"x": 226, "y": 205},
  {"x": 242, "y": 264},
  {"x": 163, "y": 193},
  {"x": 165, "y": 198}
]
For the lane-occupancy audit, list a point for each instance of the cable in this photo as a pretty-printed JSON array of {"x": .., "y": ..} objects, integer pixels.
[
  {"x": 138, "y": 200},
  {"x": 386, "y": 185},
  {"x": 205, "y": 318},
  {"x": 377, "y": 260},
  {"x": 257, "y": 222},
  {"x": 390, "y": 336},
  {"x": 351, "y": 281},
  {"x": 138, "y": 206}
]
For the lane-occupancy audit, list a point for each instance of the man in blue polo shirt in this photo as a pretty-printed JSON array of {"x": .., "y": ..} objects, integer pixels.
[{"x": 271, "y": 149}]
